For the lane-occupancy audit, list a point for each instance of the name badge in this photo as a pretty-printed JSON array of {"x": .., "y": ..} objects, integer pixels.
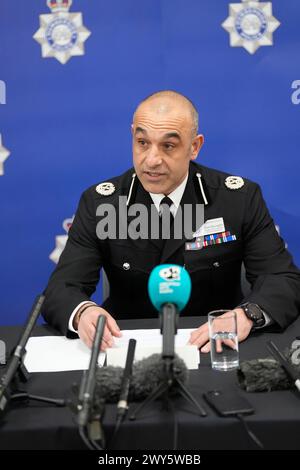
[{"x": 210, "y": 227}]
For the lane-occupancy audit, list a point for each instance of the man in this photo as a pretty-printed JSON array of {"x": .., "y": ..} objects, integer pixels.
[{"x": 165, "y": 144}]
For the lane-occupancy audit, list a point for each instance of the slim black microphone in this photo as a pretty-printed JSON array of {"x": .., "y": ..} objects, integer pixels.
[
  {"x": 122, "y": 405},
  {"x": 16, "y": 360},
  {"x": 87, "y": 388}
]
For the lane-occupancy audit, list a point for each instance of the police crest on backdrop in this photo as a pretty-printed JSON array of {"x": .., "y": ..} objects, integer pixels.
[
  {"x": 251, "y": 24},
  {"x": 60, "y": 241},
  {"x": 4, "y": 154},
  {"x": 61, "y": 34}
]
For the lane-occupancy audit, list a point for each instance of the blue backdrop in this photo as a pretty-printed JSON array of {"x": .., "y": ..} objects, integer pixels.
[{"x": 68, "y": 126}]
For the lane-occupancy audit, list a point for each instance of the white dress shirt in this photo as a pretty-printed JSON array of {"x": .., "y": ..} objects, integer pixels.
[{"x": 175, "y": 197}]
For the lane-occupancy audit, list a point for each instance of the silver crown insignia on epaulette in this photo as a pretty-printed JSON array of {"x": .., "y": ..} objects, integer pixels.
[
  {"x": 105, "y": 189},
  {"x": 234, "y": 182}
]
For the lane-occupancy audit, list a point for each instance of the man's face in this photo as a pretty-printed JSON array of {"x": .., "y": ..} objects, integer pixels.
[{"x": 163, "y": 144}]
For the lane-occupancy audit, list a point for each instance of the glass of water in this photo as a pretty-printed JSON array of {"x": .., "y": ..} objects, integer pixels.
[{"x": 224, "y": 346}]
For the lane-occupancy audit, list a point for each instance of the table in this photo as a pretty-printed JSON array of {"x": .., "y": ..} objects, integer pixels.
[{"x": 276, "y": 420}]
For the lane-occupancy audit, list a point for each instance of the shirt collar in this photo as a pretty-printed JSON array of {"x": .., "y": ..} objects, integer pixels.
[{"x": 175, "y": 196}]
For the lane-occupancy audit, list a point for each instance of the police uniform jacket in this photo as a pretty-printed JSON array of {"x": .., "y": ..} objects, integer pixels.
[{"x": 215, "y": 270}]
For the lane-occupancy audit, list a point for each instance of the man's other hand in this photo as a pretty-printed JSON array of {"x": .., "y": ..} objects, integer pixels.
[{"x": 200, "y": 337}]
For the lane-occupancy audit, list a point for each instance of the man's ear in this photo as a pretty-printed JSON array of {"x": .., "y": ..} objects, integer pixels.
[
  {"x": 132, "y": 128},
  {"x": 197, "y": 143}
]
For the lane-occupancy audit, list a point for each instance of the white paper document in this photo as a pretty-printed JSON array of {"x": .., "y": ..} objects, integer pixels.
[
  {"x": 57, "y": 353},
  {"x": 150, "y": 342}
]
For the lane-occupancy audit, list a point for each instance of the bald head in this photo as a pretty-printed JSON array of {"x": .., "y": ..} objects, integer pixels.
[{"x": 167, "y": 102}]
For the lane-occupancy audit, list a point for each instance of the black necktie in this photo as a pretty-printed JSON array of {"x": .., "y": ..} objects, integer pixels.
[
  {"x": 166, "y": 200},
  {"x": 165, "y": 221}
]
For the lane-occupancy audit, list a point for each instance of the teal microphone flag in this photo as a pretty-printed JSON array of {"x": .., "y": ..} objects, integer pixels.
[{"x": 169, "y": 283}]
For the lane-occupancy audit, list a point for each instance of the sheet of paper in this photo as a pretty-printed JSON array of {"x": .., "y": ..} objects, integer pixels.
[
  {"x": 57, "y": 353},
  {"x": 150, "y": 342}
]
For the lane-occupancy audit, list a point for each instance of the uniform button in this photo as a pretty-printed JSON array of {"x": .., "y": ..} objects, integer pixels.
[
  {"x": 216, "y": 264},
  {"x": 126, "y": 266}
]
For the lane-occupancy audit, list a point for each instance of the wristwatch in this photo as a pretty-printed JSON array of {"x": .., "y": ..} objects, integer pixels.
[{"x": 254, "y": 313}]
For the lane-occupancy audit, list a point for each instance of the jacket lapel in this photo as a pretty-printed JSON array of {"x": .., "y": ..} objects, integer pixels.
[{"x": 143, "y": 197}]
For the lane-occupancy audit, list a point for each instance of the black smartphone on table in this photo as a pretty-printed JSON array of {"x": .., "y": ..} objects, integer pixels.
[{"x": 228, "y": 403}]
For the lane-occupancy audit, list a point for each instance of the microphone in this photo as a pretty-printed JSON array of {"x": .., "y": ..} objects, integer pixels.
[
  {"x": 2, "y": 353},
  {"x": 16, "y": 361},
  {"x": 169, "y": 290},
  {"x": 122, "y": 406},
  {"x": 147, "y": 374},
  {"x": 287, "y": 366},
  {"x": 87, "y": 387},
  {"x": 267, "y": 374}
]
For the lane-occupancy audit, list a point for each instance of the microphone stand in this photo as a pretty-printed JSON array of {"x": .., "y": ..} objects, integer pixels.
[
  {"x": 169, "y": 329},
  {"x": 16, "y": 371}
]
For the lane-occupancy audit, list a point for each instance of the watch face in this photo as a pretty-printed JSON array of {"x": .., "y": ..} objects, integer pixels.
[
  {"x": 254, "y": 312},
  {"x": 255, "y": 315}
]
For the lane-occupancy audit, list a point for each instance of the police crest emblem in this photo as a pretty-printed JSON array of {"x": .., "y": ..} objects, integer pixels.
[
  {"x": 61, "y": 240},
  {"x": 251, "y": 24},
  {"x": 4, "y": 154},
  {"x": 61, "y": 34}
]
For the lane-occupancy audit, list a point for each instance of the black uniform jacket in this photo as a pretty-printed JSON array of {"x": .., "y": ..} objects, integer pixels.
[{"x": 215, "y": 270}]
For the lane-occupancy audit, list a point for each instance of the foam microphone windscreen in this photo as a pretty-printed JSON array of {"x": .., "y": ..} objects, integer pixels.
[
  {"x": 265, "y": 375},
  {"x": 150, "y": 372},
  {"x": 147, "y": 374}
]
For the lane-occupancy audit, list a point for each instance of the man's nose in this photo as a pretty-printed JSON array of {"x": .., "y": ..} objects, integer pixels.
[{"x": 153, "y": 157}]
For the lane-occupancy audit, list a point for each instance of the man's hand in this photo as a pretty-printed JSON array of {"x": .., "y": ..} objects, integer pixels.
[
  {"x": 87, "y": 327},
  {"x": 200, "y": 337}
]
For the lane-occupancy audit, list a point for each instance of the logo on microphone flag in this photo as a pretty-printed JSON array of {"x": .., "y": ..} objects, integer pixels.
[
  {"x": 61, "y": 240},
  {"x": 61, "y": 34},
  {"x": 170, "y": 273},
  {"x": 4, "y": 154},
  {"x": 251, "y": 24}
]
